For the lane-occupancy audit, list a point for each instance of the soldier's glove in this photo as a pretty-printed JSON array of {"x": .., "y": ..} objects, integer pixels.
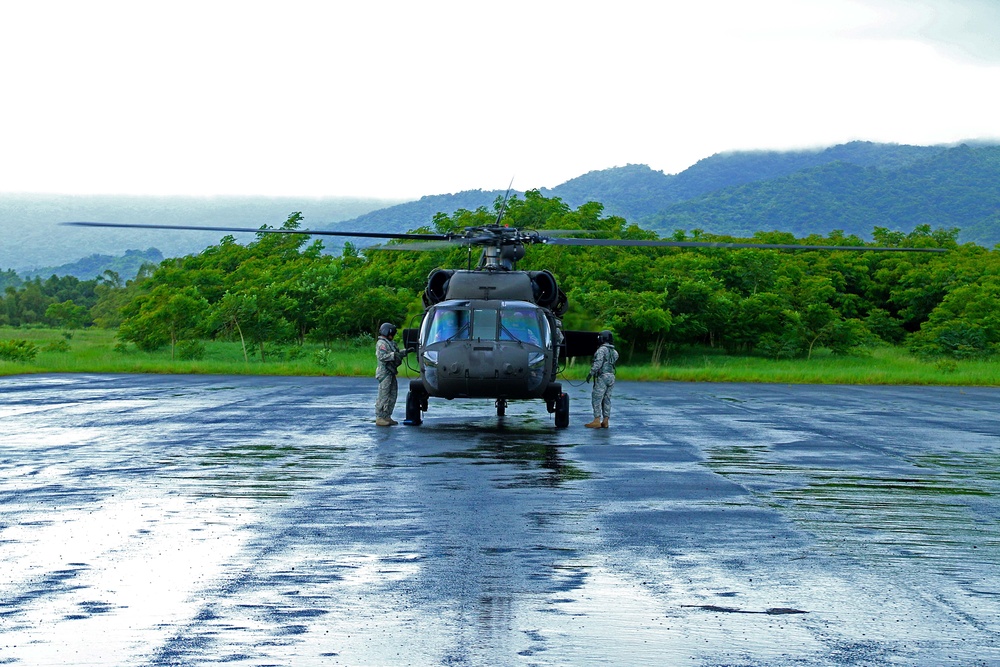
[{"x": 589, "y": 376}]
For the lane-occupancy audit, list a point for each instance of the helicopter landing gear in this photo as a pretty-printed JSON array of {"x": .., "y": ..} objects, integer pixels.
[
  {"x": 416, "y": 402},
  {"x": 413, "y": 417},
  {"x": 562, "y": 411},
  {"x": 558, "y": 402},
  {"x": 501, "y": 407}
]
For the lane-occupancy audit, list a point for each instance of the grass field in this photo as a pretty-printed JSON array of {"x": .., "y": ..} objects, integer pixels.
[{"x": 94, "y": 351}]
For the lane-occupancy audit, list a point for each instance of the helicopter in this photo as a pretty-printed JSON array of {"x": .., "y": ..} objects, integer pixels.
[{"x": 493, "y": 331}]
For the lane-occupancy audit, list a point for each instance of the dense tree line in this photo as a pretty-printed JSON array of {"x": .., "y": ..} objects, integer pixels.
[
  {"x": 63, "y": 301},
  {"x": 282, "y": 288}
]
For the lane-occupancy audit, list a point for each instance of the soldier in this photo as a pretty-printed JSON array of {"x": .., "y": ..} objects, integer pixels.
[
  {"x": 389, "y": 358},
  {"x": 603, "y": 372}
]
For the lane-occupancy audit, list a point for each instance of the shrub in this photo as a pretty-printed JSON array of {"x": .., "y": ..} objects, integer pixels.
[
  {"x": 18, "y": 350},
  {"x": 190, "y": 350},
  {"x": 788, "y": 345},
  {"x": 323, "y": 358},
  {"x": 955, "y": 339},
  {"x": 847, "y": 336},
  {"x": 363, "y": 340},
  {"x": 56, "y": 346}
]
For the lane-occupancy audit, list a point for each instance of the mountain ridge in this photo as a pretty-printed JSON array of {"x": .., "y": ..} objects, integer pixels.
[
  {"x": 852, "y": 187},
  {"x": 958, "y": 187}
]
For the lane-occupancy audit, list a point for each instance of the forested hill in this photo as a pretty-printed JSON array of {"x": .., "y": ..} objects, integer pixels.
[
  {"x": 420, "y": 213},
  {"x": 958, "y": 187},
  {"x": 853, "y": 187},
  {"x": 126, "y": 266},
  {"x": 636, "y": 192}
]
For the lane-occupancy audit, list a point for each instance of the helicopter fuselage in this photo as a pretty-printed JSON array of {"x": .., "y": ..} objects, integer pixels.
[
  {"x": 487, "y": 348},
  {"x": 489, "y": 333}
]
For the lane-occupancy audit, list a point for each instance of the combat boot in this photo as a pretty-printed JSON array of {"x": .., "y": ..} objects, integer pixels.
[
  {"x": 393, "y": 422},
  {"x": 594, "y": 424},
  {"x": 604, "y": 424},
  {"x": 382, "y": 421}
]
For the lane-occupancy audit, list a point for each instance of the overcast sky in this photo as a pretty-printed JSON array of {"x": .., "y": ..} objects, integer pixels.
[{"x": 403, "y": 99}]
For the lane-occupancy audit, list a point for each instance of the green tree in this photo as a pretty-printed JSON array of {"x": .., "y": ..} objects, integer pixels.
[
  {"x": 257, "y": 317},
  {"x": 67, "y": 314},
  {"x": 965, "y": 325},
  {"x": 640, "y": 319},
  {"x": 758, "y": 317},
  {"x": 163, "y": 316},
  {"x": 230, "y": 312}
]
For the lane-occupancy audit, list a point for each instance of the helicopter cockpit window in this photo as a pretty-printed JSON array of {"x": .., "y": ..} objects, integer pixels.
[
  {"x": 484, "y": 324},
  {"x": 449, "y": 324},
  {"x": 520, "y": 324}
]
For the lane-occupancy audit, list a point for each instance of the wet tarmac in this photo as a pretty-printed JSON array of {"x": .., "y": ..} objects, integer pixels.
[{"x": 173, "y": 520}]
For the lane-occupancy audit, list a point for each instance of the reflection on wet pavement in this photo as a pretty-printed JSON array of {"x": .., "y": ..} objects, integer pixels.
[{"x": 265, "y": 521}]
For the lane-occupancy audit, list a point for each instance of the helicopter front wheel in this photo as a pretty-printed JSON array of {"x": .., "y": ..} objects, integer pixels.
[
  {"x": 562, "y": 411},
  {"x": 501, "y": 407},
  {"x": 413, "y": 405}
]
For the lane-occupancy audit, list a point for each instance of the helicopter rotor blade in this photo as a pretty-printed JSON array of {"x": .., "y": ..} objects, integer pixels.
[
  {"x": 495, "y": 235},
  {"x": 718, "y": 244},
  {"x": 566, "y": 232},
  {"x": 249, "y": 230},
  {"x": 421, "y": 246}
]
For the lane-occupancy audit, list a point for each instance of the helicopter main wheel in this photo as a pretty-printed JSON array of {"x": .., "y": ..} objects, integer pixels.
[
  {"x": 562, "y": 411},
  {"x": 413, "y": 405},
  {"x": 501, "y": 407}
]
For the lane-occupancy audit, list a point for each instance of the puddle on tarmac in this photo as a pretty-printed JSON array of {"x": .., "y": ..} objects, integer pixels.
[{"x": 924, "y": 512}]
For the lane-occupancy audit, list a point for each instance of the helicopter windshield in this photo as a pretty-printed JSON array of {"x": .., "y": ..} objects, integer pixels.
[
  {"x": 520, "y": 324},
  {"x": 449, "y": 324},
  {"x": 517, "y": 322}
]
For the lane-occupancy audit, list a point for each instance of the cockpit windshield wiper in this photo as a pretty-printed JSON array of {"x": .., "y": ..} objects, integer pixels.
[
  {"x": 504, "y": 330},
  {"x": 464, "y": 327}
]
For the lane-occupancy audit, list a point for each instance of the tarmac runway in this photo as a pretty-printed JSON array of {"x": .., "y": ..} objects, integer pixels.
[{"x": 191, "y": 520}]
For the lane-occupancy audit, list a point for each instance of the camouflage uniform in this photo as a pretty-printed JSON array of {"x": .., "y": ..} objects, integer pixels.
[
  {"x": 389, "y": 358},
  {"x": 603, "y": 371}
]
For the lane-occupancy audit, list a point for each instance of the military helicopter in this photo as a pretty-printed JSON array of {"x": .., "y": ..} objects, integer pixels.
[{"x": 492, "y": 331}]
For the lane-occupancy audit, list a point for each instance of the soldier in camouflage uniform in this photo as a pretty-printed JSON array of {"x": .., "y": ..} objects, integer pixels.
[
  {"x": 603, "y": 372},
  {"x": 389, "y": 359}
]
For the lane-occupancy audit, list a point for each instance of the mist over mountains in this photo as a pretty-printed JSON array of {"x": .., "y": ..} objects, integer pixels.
[
  {"x": 33, "y": 238},
  {"x": 852, "y": 187}
]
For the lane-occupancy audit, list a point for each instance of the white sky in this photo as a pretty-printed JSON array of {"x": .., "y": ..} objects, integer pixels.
[{"x": 403, "y": 99}]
